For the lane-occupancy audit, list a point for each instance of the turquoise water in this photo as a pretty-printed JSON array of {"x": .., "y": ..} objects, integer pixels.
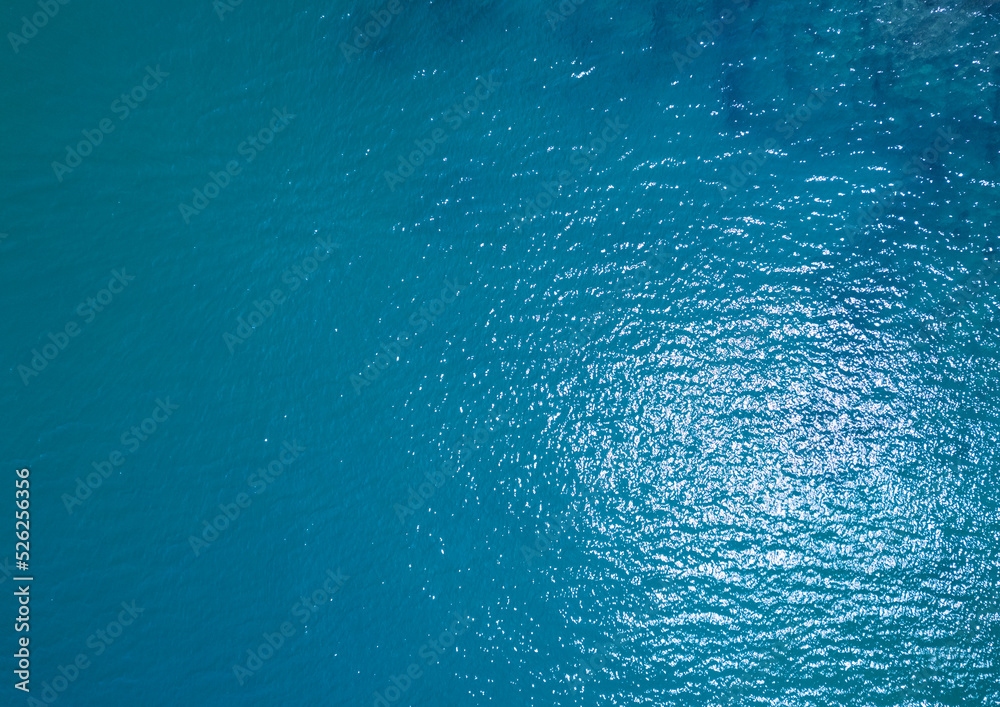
[{"x": 520, "y": 353}]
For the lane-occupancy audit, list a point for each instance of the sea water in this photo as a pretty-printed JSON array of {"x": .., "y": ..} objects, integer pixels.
[{"x": 482, "y": 353}]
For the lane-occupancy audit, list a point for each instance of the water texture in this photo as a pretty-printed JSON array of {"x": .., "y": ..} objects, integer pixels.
[{"x": 552, "y": 353}]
